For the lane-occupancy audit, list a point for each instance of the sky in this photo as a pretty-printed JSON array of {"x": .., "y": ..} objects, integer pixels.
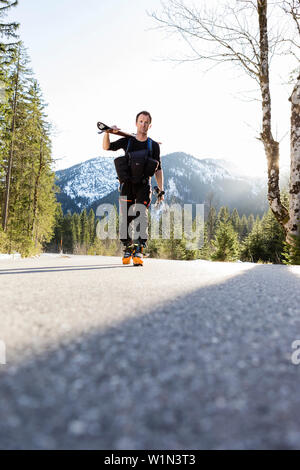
[{"x": 104, "y": 61}]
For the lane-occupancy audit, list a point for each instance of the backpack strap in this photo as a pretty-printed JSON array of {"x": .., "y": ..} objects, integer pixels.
[
  {"x": 128, "y": 145},
  {"x": 150, "y": 146}
]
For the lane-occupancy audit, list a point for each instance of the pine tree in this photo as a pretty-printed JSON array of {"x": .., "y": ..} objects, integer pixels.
[
  {"x": 85, "y": 236},
  {"x": 7, "y": 30},
  {"x": 97, "y": 248},
  {"x": 211, "y": 224},
  {"x": 3, "y": 242},
  {"x": 235, "y": 220},
  {"x": 253, "y": 248},
  {"x": 251, "y": 221},
  {"x": 11, "y": 136},
  {"x": 27, "y": 189},
  {"x": 15, "y": 112},
  {"x": 195, "y": 240},
  {"x": 243, "y": 228},
  {"x": 206, "y": 250},
  {"x": 58, "y": 228},
  {"x": 223, "y": 214},
  {"x": 291, "y": 252},
  {"x": 274, "y": 237},
  {"x": 226, "y": 243},
  {"x": 67, "y": 233},
  {"x": 174, "y": 248},
  {"x": 265, "y": 242},
  {"x": 76, "y": 232},
  {"x": 154, "y": 247},
  {"x": 91, "y": 226},
  {"x": 39, "y": 177}
]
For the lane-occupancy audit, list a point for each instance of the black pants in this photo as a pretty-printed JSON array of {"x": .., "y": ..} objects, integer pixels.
[{"x": 131, "y": 194}]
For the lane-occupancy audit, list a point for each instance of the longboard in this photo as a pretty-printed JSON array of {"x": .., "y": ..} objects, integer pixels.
[{"x": 104, "y": 128}]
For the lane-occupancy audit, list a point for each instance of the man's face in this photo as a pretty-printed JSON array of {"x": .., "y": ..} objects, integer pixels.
[{"x": 143, "y": 124}]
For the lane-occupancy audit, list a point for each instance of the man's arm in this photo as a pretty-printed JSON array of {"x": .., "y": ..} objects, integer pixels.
[
  {"x": 159, "y": 176},
  {"x": 106, "y": 139}
]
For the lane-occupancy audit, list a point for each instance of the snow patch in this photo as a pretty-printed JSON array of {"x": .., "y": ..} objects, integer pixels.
[
  {"x": 172, "y": 189},
  {"x": 7, "y": 256}
]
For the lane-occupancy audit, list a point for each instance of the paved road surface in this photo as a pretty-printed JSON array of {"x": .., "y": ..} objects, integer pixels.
[{"x": 174, "y": 355}]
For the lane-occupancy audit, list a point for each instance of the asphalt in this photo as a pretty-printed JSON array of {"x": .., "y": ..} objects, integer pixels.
[{"x": 172, "y": 355}]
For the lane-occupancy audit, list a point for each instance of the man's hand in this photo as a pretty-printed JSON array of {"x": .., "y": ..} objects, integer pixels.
[
  {"x": 115, "y": 129},
  {"x": 159, "y": 176},
  {"x": 106, "y": 141},
  {"x": 160, "y": 196}
]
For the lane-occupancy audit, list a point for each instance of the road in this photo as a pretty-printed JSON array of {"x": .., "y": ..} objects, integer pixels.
[{"x": 172, "y": 355}]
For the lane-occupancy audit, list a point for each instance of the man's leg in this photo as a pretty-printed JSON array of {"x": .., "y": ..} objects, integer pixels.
[
  {"x": 143, "y": 199},
  {"x": 126, "y": 200}
]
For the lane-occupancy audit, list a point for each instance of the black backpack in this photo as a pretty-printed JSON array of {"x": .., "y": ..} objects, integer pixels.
[{"x": 137, "y": 165}]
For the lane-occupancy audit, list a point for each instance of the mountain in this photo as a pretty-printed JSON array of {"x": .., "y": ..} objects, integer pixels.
[
  {"x": 85, "y": 183},
  {"x": 187, "y": 180}
]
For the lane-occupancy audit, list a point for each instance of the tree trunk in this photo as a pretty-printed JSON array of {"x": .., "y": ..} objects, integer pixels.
[
  {"x": 270, "y": 145},
  {"x": 293, "y": 226},
  {"x": 36, "y": 187},
  {"x": 11, "y": 151}
]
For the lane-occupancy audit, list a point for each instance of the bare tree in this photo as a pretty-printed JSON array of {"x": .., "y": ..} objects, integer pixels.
[
  {"x": 292, "y": 7},
  {"x": 238, "y": 32},
  {"x": 294, "y": 210}
]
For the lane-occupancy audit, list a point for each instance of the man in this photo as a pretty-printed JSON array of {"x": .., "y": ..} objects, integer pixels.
[{"x": 137, "y": 192}]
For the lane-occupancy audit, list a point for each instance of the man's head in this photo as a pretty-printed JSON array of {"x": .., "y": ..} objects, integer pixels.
[{"x": 143, "y": 122}]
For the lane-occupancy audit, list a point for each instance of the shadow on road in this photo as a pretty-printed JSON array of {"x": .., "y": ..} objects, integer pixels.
[{"x": 211, "y": 370}]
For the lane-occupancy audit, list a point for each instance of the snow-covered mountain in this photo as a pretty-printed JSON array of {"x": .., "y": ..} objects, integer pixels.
[
  {"x": 83, "y": 184},
  {"x": 187, "y": 180}
]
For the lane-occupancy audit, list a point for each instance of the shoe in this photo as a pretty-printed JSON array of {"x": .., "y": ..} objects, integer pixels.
[
  {"x": 127, "y": 254},
  {"x": 138, "y": 255}
]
